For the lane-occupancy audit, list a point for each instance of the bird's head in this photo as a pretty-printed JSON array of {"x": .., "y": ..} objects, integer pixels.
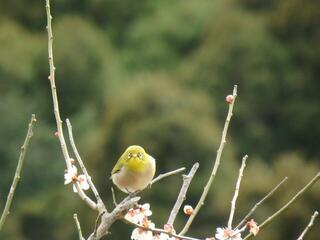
[{"x": 135, "y": 158}]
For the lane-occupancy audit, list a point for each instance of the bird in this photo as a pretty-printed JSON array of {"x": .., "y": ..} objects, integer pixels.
[{"x": 134, "y": 170}]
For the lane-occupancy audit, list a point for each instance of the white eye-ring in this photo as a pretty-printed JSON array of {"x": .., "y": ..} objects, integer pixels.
[
  {"x": 129, "y": 155},
  {"x": 140, "y": 155}
]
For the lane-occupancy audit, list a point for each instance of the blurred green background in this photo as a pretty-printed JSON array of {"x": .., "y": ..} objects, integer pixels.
[{"x": 156, "y": 73}]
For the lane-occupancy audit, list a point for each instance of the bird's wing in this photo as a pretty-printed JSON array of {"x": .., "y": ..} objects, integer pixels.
[{"x": 118, "y": 165}]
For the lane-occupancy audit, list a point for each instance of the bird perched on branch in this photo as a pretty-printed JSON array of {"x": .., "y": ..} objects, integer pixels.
[{"x": 134, "y": 170}]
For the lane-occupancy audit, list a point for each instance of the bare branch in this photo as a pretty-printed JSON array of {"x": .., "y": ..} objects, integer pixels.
[
  {"x": 6, "y": 210},
  {"x": 313, "y": 217},
  {"x": 64, "y": 148},
  {"x": 75, "y": 217},
  {"x": 100, "y": 204},
  {"x": 182, "y": 195},
  {"x": 164, "y": 175},
  {"x": 215, "y": 167},
  {"x": 246, "y": 218},
  {"x": 234, "y": 199},
  {"x": 108, "y": 219},
  {"x": 288, "y": 204}
]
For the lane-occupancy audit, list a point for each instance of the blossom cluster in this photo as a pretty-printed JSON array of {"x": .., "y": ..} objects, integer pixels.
[
  {"x": 230, "y": 234},
  {"x": 71, "y": 176},
  {"x": 139, "y": 215}
]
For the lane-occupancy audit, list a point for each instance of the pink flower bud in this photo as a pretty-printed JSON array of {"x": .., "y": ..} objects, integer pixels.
[
  {"x": 188, "y": 210},
  {"x": 229, "y": 99},
  {"x": 56, "y": 134},
  {"x": 169, "y": 228},
  {"x": 253, "y": 227}
]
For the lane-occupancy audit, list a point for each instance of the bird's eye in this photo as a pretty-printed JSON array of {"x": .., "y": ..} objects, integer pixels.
[
  {"x": 140, "y": 155},
  {"x": 129, "y": 155}
]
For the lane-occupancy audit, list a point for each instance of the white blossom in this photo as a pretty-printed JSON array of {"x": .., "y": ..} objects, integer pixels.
[
  {"x": 70, "y": 174},
  {"x": 145, "y": 208},
  {"x": 138, "y": 214},
  {"x": 83, "y": 182},
  {"x": 140, "y": 234},
  {"x": 227, "y": 234}
]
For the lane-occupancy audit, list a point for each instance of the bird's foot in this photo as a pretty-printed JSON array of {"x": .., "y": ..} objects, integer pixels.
[{"x": 133, "y": 194}]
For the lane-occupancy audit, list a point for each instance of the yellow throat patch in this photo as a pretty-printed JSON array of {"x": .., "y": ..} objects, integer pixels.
[{"x": 136, "y": 164}]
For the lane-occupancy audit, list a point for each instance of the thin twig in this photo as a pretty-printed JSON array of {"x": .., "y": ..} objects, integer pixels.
[
  {"x": 75, "y": 217},
  {"x": 313, "y": 217},
  {"x": 164, "y": 175},
  {"x": 100, "y": 204},
  {"x": 246, "y": 218},
  {"x": 288, "y": 204},
  {"x": 64, "y": 148},
  {"x": 236, "y": 192},
  {"x": 215, "y": 167},
  {"x": 159, "y": 230},
  {"x": 6, "y": 210},
  {"x": 182, "y": 195},
  {"x": 96, "y": 224},
  {"x": 114, "y": 197}
]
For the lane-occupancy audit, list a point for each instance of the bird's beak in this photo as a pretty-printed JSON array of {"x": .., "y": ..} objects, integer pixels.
[{"x": 134, "y": 155}]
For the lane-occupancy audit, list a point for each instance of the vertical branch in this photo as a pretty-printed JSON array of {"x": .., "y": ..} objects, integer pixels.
[
  {"x": 54, "y": 89},
  {"x": 64, "y": 148},
  {"x": 75, "y": 217},
  {"x": 16, "y": 178},
  {"x": 182, "y": 195},
  {"x": 215, "y": 167},
  {"x": 236, "y": 193},
  {"x": 313, "y": 217}
]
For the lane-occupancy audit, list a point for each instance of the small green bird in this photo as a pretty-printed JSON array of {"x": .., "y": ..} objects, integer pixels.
[{"x": 134, "y": 170}]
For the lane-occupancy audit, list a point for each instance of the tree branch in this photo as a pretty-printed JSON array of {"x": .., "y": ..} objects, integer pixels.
[
  {"x": 64, "y": 148},
  {"x": 215, "y": 167},
  {"x": 100, "y": 204},
  {"x": 313, "y": 217},
  {"x": 234, "y": 199},
  {"x": 164, "y": 175},
  {"x": 75, "y": 217},
  {"x": 182, "y": 195},
  {"x": 246, "y": 218},
  {"x": 288, "y": 204},
  {"x": 24, "y": 147},
  {"x": 108, "y": 219}
]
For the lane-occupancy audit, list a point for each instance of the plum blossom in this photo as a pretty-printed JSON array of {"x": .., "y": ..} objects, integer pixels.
[
  {"x": 141, "y": 234},
  {"x": 227, "y": 234},
  {"x": 83, "y": 182},
  {"x": 138, "y": 214},
  {"x": 253, "y": 227},
  {"x": 71, "y": 176}
]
